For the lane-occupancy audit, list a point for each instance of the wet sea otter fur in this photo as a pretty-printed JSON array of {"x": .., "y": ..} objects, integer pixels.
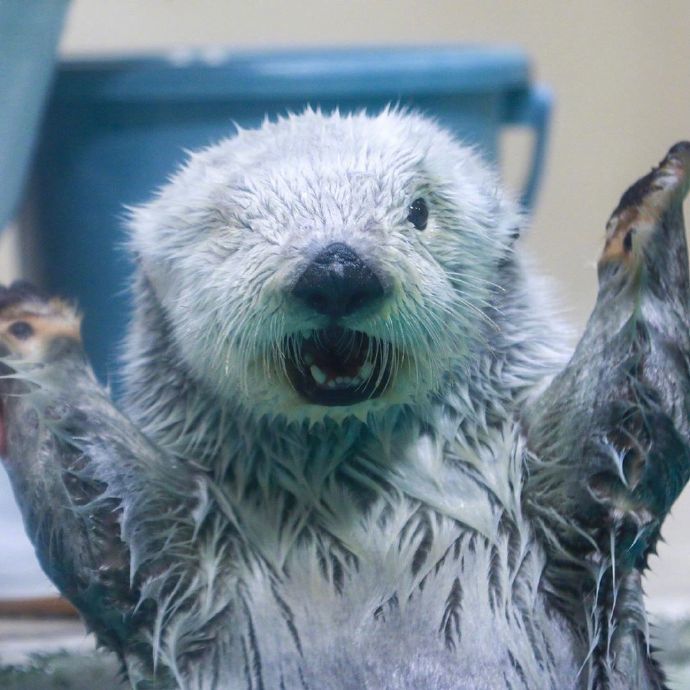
[{"x": 353, "y": 452}]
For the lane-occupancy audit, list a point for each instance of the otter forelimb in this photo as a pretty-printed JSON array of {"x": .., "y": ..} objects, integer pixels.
[
  {"x": 103, "y": 506},
  {"x": 610, "y": 438}
]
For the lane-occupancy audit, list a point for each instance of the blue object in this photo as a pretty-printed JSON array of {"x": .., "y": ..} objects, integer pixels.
[
  {"x": 115, "y": 130},
  {"x": 29, "y": 32}
]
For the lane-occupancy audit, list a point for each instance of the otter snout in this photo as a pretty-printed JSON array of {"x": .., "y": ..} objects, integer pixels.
[{"x": 337, "y": 282}]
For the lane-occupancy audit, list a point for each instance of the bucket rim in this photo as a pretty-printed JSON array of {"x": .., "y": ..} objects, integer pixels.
[{"x": 219, "y": 73}]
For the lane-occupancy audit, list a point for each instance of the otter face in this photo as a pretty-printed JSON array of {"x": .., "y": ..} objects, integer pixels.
[{"x": 328, "y": 265}]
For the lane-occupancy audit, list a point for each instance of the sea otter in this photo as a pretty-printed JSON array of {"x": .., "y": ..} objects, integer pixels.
[{"x": 354, "y": 451}]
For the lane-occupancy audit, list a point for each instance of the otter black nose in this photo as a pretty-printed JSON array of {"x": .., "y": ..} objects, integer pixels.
[{"x": 337, "y": 282}]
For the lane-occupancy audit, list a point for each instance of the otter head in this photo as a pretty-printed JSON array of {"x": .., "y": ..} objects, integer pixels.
[{"x": 327, "y": 265}]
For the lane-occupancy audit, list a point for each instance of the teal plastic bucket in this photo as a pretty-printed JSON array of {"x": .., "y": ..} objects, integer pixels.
[{"x": 115, "y": 130}]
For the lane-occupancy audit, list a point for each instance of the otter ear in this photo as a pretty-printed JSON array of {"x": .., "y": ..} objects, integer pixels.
[
  {"x": 509, "y": 238},
  {"x": 514, "y": 235},
  {"x": 511, "y": 220},
  {"x": 511, "y": 229}
]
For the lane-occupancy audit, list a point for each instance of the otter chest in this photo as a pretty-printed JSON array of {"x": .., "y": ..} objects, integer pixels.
[{"x": 421, "y": 602}]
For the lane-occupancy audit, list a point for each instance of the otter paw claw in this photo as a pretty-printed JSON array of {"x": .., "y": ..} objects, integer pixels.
[{"x": 30, "y": 321}]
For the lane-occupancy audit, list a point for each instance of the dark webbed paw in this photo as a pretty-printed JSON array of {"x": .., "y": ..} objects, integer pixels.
[
  {"x": 53, "y": 415},
  {"x": 612, "y": 433},
  {"x": 644, "y": 283}
]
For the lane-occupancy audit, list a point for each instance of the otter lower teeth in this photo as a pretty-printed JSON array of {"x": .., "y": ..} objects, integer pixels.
[
  {"x": 323, "y": 380},
  {"x": 344, "y": 382}
]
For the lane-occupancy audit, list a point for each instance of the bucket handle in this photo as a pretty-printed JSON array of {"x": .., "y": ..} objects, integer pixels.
[{"x": 531, "y": 108}]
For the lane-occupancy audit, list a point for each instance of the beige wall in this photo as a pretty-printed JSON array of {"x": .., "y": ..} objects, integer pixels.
[{"x": 620, "y": 71}]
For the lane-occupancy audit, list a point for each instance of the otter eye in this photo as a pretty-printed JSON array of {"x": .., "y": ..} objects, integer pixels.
[
  {"x": 418, "y": 213},
  {"x": 21, "y": 330}
]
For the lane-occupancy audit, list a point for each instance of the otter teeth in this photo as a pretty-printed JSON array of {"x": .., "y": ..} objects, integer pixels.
[
  {"x": 318, "y": 375},
  {"x": 343, "y": 382},
  {"x": 322, "y": 379}
]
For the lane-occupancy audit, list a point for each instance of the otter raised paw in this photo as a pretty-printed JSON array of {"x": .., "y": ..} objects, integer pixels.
[
  {"x": 616, "y": 422},
  {"x": 59, "y": 435}
]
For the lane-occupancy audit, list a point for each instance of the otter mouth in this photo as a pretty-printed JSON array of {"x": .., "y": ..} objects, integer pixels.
[{"x": 338, "y": 366}]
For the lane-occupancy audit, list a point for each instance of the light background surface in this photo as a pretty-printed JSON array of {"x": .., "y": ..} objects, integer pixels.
[{"x": 621, "y": 75}]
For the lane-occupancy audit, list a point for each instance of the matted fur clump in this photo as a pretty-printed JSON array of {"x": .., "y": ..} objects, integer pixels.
[{"x": 353, "y": 453}]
